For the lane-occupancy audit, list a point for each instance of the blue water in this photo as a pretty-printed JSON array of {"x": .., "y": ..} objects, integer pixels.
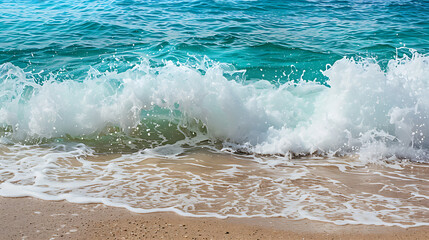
[
  {"x": 69, "y": 37},
  {"x": 105, "y": 51}
]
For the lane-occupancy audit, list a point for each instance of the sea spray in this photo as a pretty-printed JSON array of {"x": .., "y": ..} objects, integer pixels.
[{"x": 361, "y": 106}]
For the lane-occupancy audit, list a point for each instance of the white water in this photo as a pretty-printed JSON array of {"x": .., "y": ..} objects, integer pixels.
[{"x": 379, "y": 114}]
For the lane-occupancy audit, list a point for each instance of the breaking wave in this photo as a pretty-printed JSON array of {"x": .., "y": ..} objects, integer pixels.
[{"x": 366, "y": 109}]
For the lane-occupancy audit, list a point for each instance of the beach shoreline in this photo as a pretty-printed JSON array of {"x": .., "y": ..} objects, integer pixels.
[
  {"x": 224, "y": 119},
  {"x": 30, "y": 218}
]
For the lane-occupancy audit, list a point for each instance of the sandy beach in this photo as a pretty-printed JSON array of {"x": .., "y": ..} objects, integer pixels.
[{"x": 29, "y": 218}]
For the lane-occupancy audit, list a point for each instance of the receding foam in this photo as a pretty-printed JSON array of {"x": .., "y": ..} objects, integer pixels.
[{"x": 203, "y": 183}]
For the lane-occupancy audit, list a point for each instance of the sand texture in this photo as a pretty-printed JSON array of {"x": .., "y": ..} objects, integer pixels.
[{"x": 29, "y": 218}]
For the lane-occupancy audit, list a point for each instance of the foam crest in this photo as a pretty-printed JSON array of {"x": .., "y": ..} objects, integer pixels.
[{"x": 365, "y": 109}]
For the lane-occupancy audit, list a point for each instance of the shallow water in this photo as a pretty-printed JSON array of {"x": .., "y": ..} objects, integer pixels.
[
  {"x": 308, "y": 109},
  {"x": 201, "y": 182}
]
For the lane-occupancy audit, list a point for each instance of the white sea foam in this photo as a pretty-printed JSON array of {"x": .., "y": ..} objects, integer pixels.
[
  {"x": 200, "y": 183},
  {"x": 377, "y": 113}
]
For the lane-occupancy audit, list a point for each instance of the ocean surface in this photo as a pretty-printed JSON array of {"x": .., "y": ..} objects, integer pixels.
[{"x": 219, "y": 108}]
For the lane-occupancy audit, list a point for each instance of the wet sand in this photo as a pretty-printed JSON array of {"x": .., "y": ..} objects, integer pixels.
[{"x": 29, "y": 218}]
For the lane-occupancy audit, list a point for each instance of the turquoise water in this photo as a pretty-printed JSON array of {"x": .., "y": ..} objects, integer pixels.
[
  {"x": 146, "y": 73},
  {"x": 69, "y": 37}
]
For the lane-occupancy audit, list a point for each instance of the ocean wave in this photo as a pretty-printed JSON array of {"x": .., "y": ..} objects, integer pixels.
[{"x": 363, "y": 109}]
